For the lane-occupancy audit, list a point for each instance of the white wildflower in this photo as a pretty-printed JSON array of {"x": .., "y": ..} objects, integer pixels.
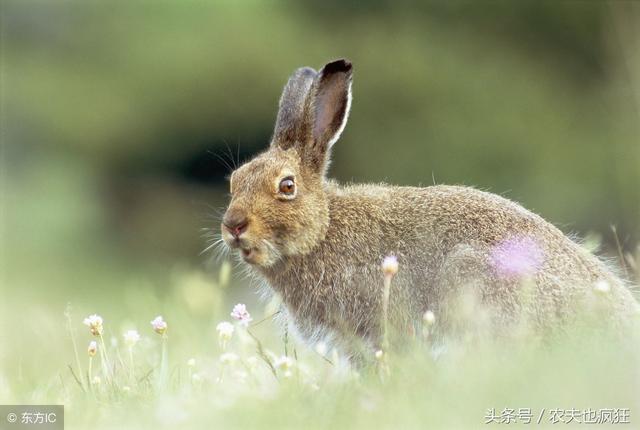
[
  {"x": 321, "y": 348},
  {"x": 240, "y": 313},
  {"x": 284, "y": 362},
  {"x": 429, "y": 318},
  {"x": 159, "y": 325},
  {"x": 602, "y": 287},
  {"x": 228, "y": 358},
  {"x": 92, "y": 349},
  {"x": 390, "y": 265},
  {"x": 131, "y": 337},
  {"x": 94, "y": 322},
  {"x": 225, "y": 330}
]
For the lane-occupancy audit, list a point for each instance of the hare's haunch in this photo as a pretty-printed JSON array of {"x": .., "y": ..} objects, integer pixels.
[{"x": 320, "y": 244}]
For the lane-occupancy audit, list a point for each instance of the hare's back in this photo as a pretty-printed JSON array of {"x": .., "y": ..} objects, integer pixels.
[
  {"x": 453, "y": 213},
  {"x": 428, "y": 223},
  {"x": 467, "y": 213}
]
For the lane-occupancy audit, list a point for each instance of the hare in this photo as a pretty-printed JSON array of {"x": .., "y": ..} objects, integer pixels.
[{"x": 320, "y": 244}]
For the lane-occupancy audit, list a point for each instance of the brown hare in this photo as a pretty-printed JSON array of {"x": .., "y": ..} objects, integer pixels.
[{"x": 320, "y": 244}]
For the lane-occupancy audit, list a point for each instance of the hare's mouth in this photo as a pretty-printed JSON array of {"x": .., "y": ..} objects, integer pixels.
[
  {"x": 250, "y": 251},
  {"x": 248, "y": 254}
]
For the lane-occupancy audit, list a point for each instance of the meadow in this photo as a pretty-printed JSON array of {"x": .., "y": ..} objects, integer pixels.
[{"x": 204, "y": 363}]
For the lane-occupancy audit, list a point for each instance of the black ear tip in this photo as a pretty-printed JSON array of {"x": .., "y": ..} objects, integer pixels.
[{"x": 338, "y": 66}]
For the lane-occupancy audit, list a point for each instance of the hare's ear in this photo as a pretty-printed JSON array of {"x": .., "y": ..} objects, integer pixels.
[
  {"x": 290, "y": 124},
  {"x": 326, "y": 112}
]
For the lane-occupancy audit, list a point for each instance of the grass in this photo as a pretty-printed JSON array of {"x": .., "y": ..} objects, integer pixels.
[{"x": 194, "y": 373}]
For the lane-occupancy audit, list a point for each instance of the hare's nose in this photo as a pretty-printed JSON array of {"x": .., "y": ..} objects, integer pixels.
[{"x": 235, "y": 223}]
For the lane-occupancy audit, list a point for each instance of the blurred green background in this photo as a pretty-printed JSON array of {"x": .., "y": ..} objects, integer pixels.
[{"x": 115, "y": 116}]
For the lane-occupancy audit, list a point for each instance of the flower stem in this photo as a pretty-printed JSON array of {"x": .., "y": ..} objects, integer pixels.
[
  {"x": 131, "y": 375},
  {"x": 164, "y": 364},
  {"x": 384, "y": 361},
  {"x": 73, "y": 341},
  {"x": 90, "y": 367},
  {"x": 105, "y": 359},
  {"x": 385, "y": 312}
]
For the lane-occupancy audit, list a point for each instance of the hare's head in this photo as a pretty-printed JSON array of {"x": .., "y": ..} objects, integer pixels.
[{"x": 278, "y": 203}]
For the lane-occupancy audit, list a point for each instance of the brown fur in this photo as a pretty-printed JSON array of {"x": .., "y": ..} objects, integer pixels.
[{"x": 321, "y": 250}]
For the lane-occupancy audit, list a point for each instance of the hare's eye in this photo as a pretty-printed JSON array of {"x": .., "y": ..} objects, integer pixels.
[{"x": 287, "y": 186}]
